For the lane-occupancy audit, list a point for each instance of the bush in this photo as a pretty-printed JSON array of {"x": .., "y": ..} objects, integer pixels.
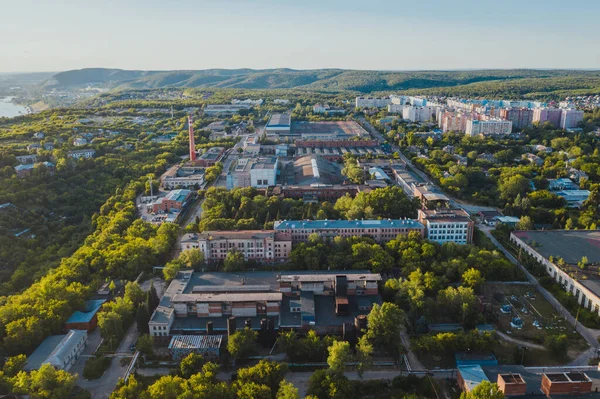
[{"x": 95, "y": 367}]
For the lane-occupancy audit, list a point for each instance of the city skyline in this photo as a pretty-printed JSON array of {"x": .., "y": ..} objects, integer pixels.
[{"x": 266, "y": 34}]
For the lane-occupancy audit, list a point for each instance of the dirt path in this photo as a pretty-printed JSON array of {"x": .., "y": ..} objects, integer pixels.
[{"x": 518, "y": 341}]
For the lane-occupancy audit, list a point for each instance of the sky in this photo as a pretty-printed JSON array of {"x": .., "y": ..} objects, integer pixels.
[{"x": 58, "y": 35}]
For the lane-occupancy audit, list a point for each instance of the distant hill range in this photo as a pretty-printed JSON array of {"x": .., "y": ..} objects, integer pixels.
[{"x": 329, "y": 79}]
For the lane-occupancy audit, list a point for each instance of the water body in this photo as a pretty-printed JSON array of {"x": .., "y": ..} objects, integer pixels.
[{"x": 9, "y": 109}]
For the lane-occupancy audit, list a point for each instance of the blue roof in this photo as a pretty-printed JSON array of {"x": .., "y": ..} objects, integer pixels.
[
  {"x": 178, "y": 195},
  {"x": 347, "y": 224},
  {"x": 91, "y": 308},
  {"x": 472, "y": 375}
]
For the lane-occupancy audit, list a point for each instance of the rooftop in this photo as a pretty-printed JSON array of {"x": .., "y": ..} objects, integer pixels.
[
  {"x": 351, "y": 276},
  {"x": 236, "y": 235},
  {"x": 54, "y": 349},
  {"x": 472, "y": 375},
  {"x": 340, "y": 127},
  {"x": 569, "y": 245},
  {"x": 178, "y": 195},
  {"x": 228, "y": 297},
  {"x": 91, "y": 308},
  {"x": 347, "y": 224},
  {"x": 278, "y": 120},
  {"x": 314, "y": 169},
  {"x": 195, "y": 341}
]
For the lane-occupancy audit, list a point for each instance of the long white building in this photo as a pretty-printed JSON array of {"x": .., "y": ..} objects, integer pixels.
[
  {"x": 488, "y": 127},
  {"x": 372, "y": 102}
]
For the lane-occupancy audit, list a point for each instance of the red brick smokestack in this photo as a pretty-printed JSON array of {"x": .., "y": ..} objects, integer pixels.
[{"x": 192, "y": 143}]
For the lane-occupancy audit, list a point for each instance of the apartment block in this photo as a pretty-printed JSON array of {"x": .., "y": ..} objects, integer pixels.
[{"x": 488, "y": 127}]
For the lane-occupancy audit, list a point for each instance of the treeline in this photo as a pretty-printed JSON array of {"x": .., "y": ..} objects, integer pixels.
[
  {"x": 119, "y": 247},
  {"x": 245, "y": 209}
]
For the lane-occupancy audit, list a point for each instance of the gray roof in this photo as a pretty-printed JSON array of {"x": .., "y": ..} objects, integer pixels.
[
  {"x": 55, "y": 349},
  {"x": 570, "y": 245},
  {"x": 280, "y": 120}
]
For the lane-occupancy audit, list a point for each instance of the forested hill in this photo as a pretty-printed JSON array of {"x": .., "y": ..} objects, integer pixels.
[{"x": 325, "y": 79}]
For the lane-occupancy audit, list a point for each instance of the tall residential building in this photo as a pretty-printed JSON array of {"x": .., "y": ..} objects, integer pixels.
[
  {"x": 260, "y": 245},
  {"x": 552, "y": 115},
  {"x": 419, "y": 113},
  {"x": 488, "y": 127},
  {"x": 447, "y": 225},
  {"x": 570, "y": 118},
  {"x": 372, "y": 102},
  {"x": 381, "y": 230},
  {"x": 453, "y": 121},
  {"x": 520, "y": 117}
]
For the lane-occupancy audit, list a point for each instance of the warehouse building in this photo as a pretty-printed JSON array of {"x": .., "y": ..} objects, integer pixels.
[
  {"x": 60, "y": 351},
  {"x": 279, "y": 124},
  {"x": 548, "y": 246},
  {"x": 199, "y": 303},
  {"x": 209, "y": 346}
]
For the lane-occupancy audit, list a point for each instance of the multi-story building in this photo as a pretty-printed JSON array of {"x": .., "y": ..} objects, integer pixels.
[
  {"x": 415, "y": 113},
  {"x": 372, "y": 102},
  {"x": 183, "y": 177},
  {"x": 253, "y": 172},
  {"x": 570, "y": 118},
  {"x": 380, "y": 230},
  {"x": 488, "y": 127},
  {"x": 78, "y": 154},
  {"x": 328, "y": 302},
  {"x": 543, "y": 115},
  {"x": 174, "y": 200},
  {"x": 260, "y": 245},
  {"x": 561, "y": 253},
  {"x": 211, "y": 157},
  {"x": 453, "y": 121},
  {"x": 447, "y": 225},
  {"x": 520, "y": 117}
]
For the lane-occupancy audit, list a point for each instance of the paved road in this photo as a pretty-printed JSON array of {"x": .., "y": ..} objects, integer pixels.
[
  {"x": 103, "y": 386},
  {"x": 590, "y": 335}
]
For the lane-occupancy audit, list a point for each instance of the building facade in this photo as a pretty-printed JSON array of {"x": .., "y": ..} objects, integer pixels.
[
  {"x": 380, "y": 230},
  {"x": 570, "y": 118},
  {"x": 372, "y": 102},
  {"x": 488, "y": 127},
  {"x": 266, "y": 246},
  {"x": 447, "y": 225}
]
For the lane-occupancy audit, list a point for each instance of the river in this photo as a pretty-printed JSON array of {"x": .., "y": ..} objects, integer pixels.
[{"x": 9, "y": 109}]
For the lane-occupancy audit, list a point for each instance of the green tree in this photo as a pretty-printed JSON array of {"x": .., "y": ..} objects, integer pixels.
[
  {"x": 145, "y": 344},
  {"x": 130, "y": 390},
  {"x": 364, "y": 351},
  {"x": 190, "y": 365},
  {"x": 13, "y": 365},
  {"x": 557, "y": 344},
  {"x": 134, "y": 293},
  {"x": 287, "y": 390},
  {"x": 45, "y": 383},
  {"x": 472, "y": 278},
  {"x": 384, "y": 323},
  {"x": 171, "y": 269},
  {"x": 142, "y": 319},
  {"x": 485, "y": 390},
  {"x": 525, "y": 223},
  {"x": 339, "y": 354},
  {"x": 269, "y": 374},
  {"x": 513, "y": 186},
  {"x": 234, "y": 262},
  {"x": 111, "y": 325},
  {"x": 242, "y": 343},
  {"x": 167, "y": 387},
  {"x": 192, "y": 258}
]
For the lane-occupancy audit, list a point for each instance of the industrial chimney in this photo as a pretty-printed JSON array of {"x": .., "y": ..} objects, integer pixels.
[{"x": 192, "y": 143}]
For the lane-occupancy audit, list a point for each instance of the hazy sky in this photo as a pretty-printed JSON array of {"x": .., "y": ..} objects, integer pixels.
[{"x": 56, "y": 35}]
